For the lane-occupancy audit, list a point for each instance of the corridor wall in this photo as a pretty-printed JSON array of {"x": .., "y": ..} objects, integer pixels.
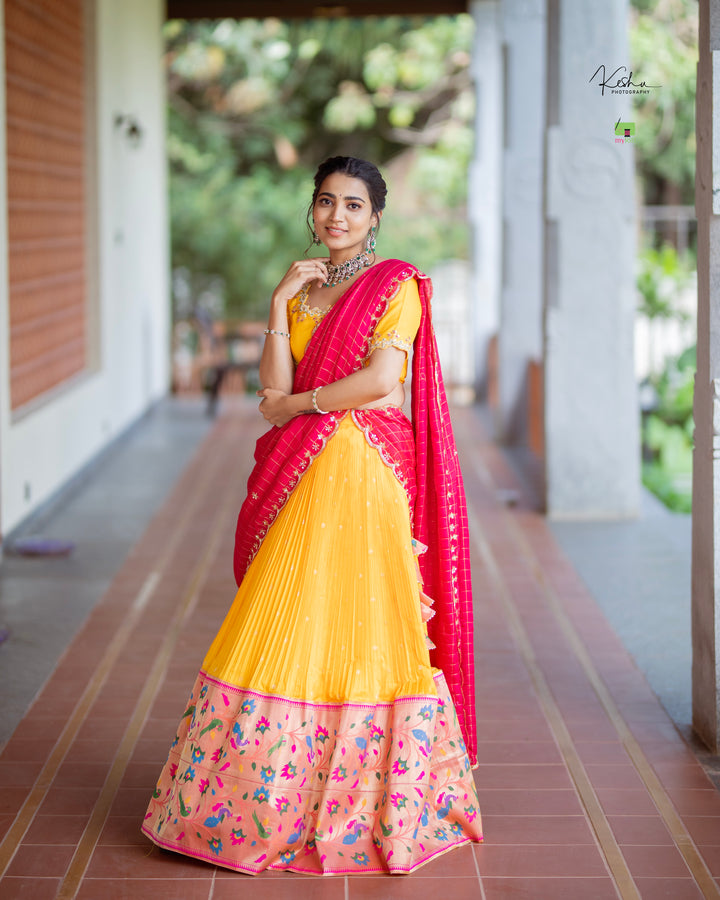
[{"x": 47, "y": 440}]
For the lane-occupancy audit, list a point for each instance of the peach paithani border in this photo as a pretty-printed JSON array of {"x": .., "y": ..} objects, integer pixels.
[{"x": 255, "y": 781}]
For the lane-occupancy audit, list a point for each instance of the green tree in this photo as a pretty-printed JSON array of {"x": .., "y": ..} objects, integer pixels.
[
  {"x": 664, "y": 52},
  {"x": 254, "y": 105}
]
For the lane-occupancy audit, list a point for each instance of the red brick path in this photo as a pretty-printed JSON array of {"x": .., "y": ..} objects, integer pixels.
[{"x": 588, "y": 792}]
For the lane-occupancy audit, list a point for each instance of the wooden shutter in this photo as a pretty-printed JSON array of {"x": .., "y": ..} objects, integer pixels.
[{"x": 45, "y": 90}]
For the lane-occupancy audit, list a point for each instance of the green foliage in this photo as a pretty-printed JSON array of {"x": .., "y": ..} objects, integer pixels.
[
  {"x": 667, "y": 434},
  {"x": 255, "y": 105},
  {"x": 662, "y": 275},
  {"x": 664, "y": 51}
]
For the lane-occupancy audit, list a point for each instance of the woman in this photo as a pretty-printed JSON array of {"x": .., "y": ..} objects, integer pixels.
[{"x": 318, "y": 737}]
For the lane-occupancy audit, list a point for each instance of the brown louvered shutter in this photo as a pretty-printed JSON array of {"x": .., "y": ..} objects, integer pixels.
[{"x": 45, "y": 90}]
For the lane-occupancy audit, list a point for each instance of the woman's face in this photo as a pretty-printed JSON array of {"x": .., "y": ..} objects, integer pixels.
[{"x": 343, "y": 215}]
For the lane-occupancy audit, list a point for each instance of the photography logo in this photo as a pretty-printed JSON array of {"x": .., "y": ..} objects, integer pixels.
[
  {"x": 624, "y": 132},
  {"x": 622, "y": 83}
]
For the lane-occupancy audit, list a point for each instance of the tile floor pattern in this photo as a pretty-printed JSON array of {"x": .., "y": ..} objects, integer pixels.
[{"x": 587, "y": 790}]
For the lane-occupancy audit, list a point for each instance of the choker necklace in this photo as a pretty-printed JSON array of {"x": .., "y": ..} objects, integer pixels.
[{"x": 343, "y": 271}]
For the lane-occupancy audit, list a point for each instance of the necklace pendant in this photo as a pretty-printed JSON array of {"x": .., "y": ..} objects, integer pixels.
[{"x": 343, "y": 271}]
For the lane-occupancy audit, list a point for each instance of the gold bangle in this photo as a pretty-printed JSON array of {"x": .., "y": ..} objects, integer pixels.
[
  {"x": 323, "y": 412},
  {"x": 272, "y": 331}
]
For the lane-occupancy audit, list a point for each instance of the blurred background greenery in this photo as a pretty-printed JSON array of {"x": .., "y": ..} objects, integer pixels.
[
  {"x": 255, "y": 105},
  {"x": 664, "y": 51}
]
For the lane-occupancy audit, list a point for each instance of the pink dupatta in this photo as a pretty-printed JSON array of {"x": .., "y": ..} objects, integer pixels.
[{"x": 427, "y": 466}]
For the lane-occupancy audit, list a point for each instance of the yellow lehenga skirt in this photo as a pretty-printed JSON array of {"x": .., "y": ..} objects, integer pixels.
[{"x": 318, "y": 738}]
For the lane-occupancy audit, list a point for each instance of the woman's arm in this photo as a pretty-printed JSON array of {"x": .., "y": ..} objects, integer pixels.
[
  {"x": 379, "y": 380},
  {"x": 277, "y": 367}
]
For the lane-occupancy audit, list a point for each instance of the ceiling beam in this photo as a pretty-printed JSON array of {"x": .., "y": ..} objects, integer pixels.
[{"x": 304, "y": 9}]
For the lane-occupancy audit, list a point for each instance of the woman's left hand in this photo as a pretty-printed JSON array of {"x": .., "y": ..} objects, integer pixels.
[{"x": 274, "y": 406}]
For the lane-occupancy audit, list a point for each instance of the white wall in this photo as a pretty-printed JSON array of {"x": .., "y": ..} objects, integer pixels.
[
  {"x": 485, "y": 179},
  {"x": 41, "y": 450},
  {"x": 520, "y": 337}
]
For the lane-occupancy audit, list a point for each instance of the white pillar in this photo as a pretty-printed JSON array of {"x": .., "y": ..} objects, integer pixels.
[
  {"x": 706, "y": 456},
  {"x": 591, "y": 411},
  {"x": 484, "y": 211},
  {"x": 520, "y": 335}
]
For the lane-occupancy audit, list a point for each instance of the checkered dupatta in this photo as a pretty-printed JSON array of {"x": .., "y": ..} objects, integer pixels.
[
  {"x": 441, "y": 523},
  {"x": 339, "y": 347}
]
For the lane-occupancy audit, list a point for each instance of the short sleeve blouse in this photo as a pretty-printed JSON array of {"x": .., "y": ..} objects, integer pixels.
[{"x": 400, "y": 322}]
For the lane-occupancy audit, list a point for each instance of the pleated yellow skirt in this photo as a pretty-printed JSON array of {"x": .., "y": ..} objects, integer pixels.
[
  {"x": 329, "y": 609},
  {"x": 318, "y": 738}
]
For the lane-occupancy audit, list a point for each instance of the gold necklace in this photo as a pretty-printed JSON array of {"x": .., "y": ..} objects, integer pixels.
[{"x": 343, "y": 271}]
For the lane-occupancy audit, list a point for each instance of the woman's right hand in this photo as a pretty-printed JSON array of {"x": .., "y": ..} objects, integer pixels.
[{"x": 300, "y": 273}]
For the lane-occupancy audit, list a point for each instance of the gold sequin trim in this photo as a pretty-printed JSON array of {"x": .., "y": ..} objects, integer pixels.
[
  {"x": 390, "y": 339},
  {"x": 300, "y": 309}
]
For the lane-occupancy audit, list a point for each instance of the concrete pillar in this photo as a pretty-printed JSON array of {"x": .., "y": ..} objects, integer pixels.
[
  {"x": 706, "y": 456},
  {"x": 520, "y": 336},
  {"x": 484, "y": 210},
  {"x": 591, "y": 412}
]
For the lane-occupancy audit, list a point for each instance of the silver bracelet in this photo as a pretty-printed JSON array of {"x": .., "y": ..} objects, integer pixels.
[
  {"x": 272, "y": 331},
  {"x": 323, "y": 412}
]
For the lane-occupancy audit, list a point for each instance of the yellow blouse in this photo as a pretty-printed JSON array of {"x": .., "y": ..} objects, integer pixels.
[{"x": 397, "y": 328}]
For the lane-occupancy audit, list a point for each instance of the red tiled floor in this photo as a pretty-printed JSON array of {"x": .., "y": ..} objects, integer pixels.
[
  {"x": 93, "y": 751},
  {"x": 145, "y": 889},
  {"x": 539, "y": 861},
  {"x": 613, "y": 776},
  {"x": 56, "y": 830},
  {"x": 541, "y": 802},
  {"x": 399, "y": 887},
  {"x": 123, "y": 830},
  {"x": 459, "y": 863},
  {"x": 522, "y": 777},
  {"x": 68, "y": 801},
  {"x": 640, "y": 830},
  {"x": 131, "y": 802},
  {"x": 56, "y": 703},
  {"x": 668, "y": 889},
  {"x": 600, "y": 888},
  {"x": 11, "y": 799},
  {"x": 704, "y": 830},
  {"x": 29, "y": 888},
  {"x": 605, "y": 752},
  {"x": 659, "y": 862},
  {"x": 141, "y": 775},
  {"x": 144, "y": 861},
  {"x": 5, "y": 823},
  {"x": 42, "y": 729},
  {"x": 689, "y": 775},
  {"x": 30, "y": 751},
  {"x": 154, "y": 749},
  {"x": 288, "y": 887},
  {"x": 520, "y": 731},
  {"x": 41, "y": 860},
  {"x": 692, "y": 802},
  {"x": 547, "y": 830},
  {"x": 525, "y": 753},
  {"x": 19, "y": 774},
  {"x": 625, "y": 801},
  {"x": 582, "y": 729},
  {"x": 711, "y": 855},
  {"x": 74, "y": 773},
  {"x": 539, "y": 841}
]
